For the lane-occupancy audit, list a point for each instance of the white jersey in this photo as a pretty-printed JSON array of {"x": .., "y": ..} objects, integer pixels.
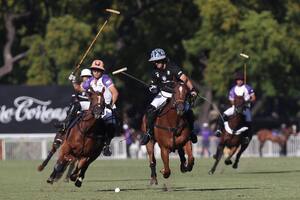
[
  {"x": 245, "y": 90},
  {"x": 98, "y": 85}
]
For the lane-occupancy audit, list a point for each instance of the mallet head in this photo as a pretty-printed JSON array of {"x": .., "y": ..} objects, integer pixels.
[
  {"x": 244, "y": 55},
  {"x": 119, "y": 70},
  {"x": 112, "y": 11}
]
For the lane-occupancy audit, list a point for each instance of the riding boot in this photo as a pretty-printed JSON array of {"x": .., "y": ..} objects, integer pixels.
[
  {"x": 110, "y": 133},
  {"x": 247, "y": 135},
  {"x": 151, "y": 116},
  {"x": 191, "y": 119},
  {"x": 71, "y": 114},
  {"x": 220, "y": 124}
]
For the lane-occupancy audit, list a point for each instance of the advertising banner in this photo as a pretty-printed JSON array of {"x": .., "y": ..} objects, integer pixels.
[{"x": 33, "y": 109}]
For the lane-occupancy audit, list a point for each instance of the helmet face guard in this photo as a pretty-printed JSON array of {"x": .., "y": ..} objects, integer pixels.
[{"x": 157, "y": 54}]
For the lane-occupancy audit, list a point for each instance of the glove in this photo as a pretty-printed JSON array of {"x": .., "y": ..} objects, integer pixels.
[
  {"x": 153, "y": 89},
  {"x": 72, "y": 78},
  {"x": 194, "y": 92}
]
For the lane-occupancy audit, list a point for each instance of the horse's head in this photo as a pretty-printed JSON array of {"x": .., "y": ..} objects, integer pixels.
[
  {"x": 239, "y": 104},
  {"x": 97, "y": 102},
  {"x": 179, "y": 97}
]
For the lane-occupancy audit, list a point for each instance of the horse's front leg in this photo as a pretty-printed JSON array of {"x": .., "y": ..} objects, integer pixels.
[
  {"x": 189, "y": 151},
  {"x": 75, "y": 172},
  {"x": 232, "y": 152},
  {"x": 70, "y": 170},
  {"x": 217, "y": 157},
  {"x": 84, "y": 166},
  {"x": 61, "y": 164},
  {"x": 181, "y": 154},
  {"x": 166, "y": 171},
  {"x": 237, "y": 159},
  {"x": 152, "y": 161}
]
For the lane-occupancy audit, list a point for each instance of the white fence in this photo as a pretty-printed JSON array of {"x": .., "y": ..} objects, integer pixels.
[{"x": 36, "y": 147}]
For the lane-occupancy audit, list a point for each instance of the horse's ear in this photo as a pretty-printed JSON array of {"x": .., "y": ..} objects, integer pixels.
[{"x": 103, "y": 90}]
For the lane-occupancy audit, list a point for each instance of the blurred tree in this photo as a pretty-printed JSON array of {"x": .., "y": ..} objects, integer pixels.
[
  {"x": 52, "y": 58},
  {"x": 228, "y": 30}
]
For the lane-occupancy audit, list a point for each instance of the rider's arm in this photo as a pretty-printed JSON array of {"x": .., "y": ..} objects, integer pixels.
[
  {"x": 108, "y": 83},
  {"x": 231, "y": 96},
  {"x": 114, "y": 93},
  {"x": 77, "y": 87},
  {"x": 84, "y": 86},
  {"x": 252, "y": 98},
  {"x": 186, "y": 80},
  {"x": 251, "y": 93}
]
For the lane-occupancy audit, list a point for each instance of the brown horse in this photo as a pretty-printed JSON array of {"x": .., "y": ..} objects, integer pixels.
[
  {"x": 171, "y": 132},
  {"x": 232, "y": 139},
  {"x": 84, "y": 142},
  {"x": 264, "y": 135}
]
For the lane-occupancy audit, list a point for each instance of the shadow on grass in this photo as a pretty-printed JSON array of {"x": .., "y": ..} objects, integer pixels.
[
  {"x": 117, "y": 180},
  {"x": 181, "y": 189},
  {"x": 271, "y": 172}
]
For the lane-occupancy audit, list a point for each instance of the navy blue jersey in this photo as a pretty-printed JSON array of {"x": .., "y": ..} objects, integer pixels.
[{"x": 164, "y": 78}]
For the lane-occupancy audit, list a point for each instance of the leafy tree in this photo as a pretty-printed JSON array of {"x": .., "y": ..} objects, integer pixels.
[{"x": 231, "y": 27}]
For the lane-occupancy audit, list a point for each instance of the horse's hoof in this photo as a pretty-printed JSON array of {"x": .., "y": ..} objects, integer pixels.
[
  {"x": 50, "y": 181},
  {"x": 189, "y": 168},
  {"x": 153, "y": 181},
  {"x": 235, "y": 166},
  {"x": 73, "y": 177},
  {"x": 78, "y": 182},
  {"x": 40, "y": 168},
  {"x": 211, "y": 172},
  {"x": 228, "y": 162},
  {"x": 183, "y": 168}
]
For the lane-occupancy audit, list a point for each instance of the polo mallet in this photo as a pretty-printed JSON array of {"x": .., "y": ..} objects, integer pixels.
[
  {"x": 122, "y": 71},
  {"x": 95, "y": 38},
  {"x": 245, "y": 66}
]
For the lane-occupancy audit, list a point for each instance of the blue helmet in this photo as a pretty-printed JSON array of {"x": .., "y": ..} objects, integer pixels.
[{"x": 157, "y": 54}]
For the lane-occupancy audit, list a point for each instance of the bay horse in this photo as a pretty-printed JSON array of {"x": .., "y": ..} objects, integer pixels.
[
  {"x": 232, "y": 139},
  {"x": 264, "y": 135},
  {"x": 84, "y": 142},
  {"x": 171, "y": 132}
]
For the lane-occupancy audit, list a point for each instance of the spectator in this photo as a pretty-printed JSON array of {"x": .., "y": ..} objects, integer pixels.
[
  {"x": 128, "y": 137},
  {"x": 206, "y": 133}
]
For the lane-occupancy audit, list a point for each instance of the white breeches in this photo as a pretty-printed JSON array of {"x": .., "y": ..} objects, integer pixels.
[
  {"x": 160, "y": 99},
  {"x": 108, "y": 116},
  {"x": 247, "y": 113},
  {"x": 84, "y": 105}
]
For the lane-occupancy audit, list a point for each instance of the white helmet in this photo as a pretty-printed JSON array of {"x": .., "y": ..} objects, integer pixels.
[
  {"x": 85, "y": 72},
  {"x": 157, "y": 54}
]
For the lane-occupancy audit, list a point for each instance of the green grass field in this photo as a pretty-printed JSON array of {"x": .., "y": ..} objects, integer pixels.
[{"x": 268, "y": 178}]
